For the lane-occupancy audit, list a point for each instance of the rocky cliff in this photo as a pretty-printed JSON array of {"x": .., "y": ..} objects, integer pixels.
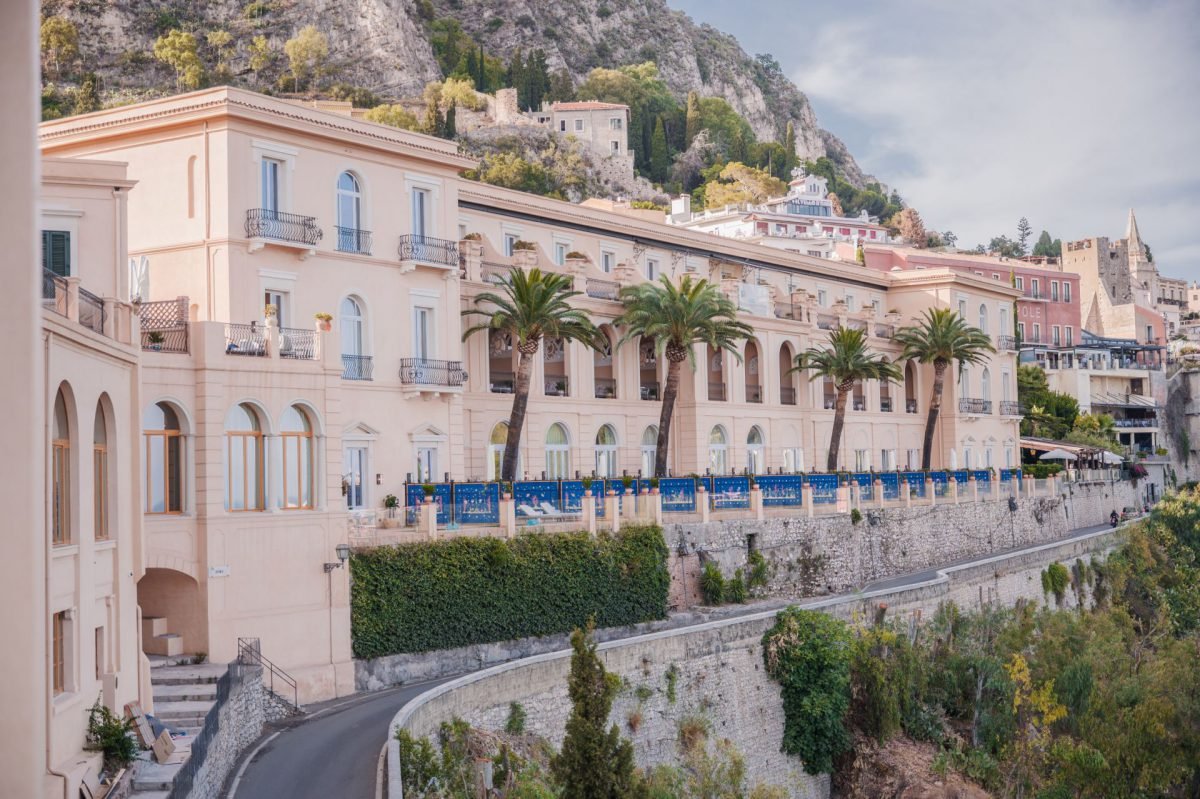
[{"x": 384, "y": 46}]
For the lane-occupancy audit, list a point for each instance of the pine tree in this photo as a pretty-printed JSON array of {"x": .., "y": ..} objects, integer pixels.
[
  {"x": 593, "y": 763},
  {"x": 516, "y": 75},
  {"x": 1023, "y": 231},
  {"x": 448, "y": 127},
  {"x": 692, "y": 124},
  {"x": 658, "y": 153},
  {"x": 472, "y": 67}
]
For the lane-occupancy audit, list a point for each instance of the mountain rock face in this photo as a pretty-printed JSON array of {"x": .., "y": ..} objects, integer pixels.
[{"x": 384, "y": 46}]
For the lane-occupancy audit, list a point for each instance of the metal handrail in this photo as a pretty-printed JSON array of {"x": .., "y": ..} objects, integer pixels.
[
  {"x": 716, "y": 392},
  {"x": 54, "y": 292},
  {"x": 250, "y": 653},
  {"x": 265, "y": 223},
  {"x": 1006, "y": 342},
  {"x": 754, "y": 393},
  {"x": 787, "y": 395},
  {"x": 241, "y": 339},
  {"x": 91, "y": 311},
  {"x": 428, "y": 250},
  {"x": 166, "y": 321},
  {"x": 425, "y": 372},
  {"x": 351, "y": 239},
  {"x": 970, "y": 405},
  {"x": 357, "y": 367},
  {"x": 606, "y": 388},
  {"x": 1010, "y": 408},
  {"x": 502, "y": 382},
  {"x": 650, "y": 391},
  {"x": 493, "y": 272},
  {"x": 297, "y": 343},
  {"x": 603, "y": 289}
]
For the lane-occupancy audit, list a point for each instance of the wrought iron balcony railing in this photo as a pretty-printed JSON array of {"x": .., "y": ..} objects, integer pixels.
[
  {"x": 1006, "y": 342},
  {"x": 885, "y": 404},
  {"x": 556, "y": 386},
  {"x": 603, "y": 289},
  {"x": 351, "y": 239},
  {"x": 716, "y": 392},
  {"x": 357, "y": 367},
  {"x": 910, "y": 406},
  {"x": 787, "y": 395},
  {"x": 265, "y": 223},
  {"x": 1010, "y": 408},
  {"x": 650, "y": 391},
  {"x": 969, "y": 405},
  {"x": 425, "y": 372},
  {"x": 297, "y": 343},
  {"x": 606, "y": 388},
  {"x": 248, "y": 339},
  {"x": 753, "y": 393},
  {"x": 428, "y": 250}
]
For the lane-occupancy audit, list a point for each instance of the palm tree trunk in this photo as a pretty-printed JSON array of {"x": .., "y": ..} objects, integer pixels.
[
  {"x": 516, "y": 419},
  {"x": 839, "y": 421},
  {"x": 935, "y": 407},
  {"x": 670, "y": 391}
]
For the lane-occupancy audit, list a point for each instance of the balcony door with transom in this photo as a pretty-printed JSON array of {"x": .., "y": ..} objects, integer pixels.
[{"x": 271, "y": 169}]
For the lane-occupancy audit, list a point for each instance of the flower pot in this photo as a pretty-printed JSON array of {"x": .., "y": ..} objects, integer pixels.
[
  {"x": 507, "y": 496},
  {"x": 587, "y": 492},
  {"x": 324, "y": 325},
  {"x": 429, "y": 499}
]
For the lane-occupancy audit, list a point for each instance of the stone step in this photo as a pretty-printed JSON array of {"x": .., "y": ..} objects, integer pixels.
[
  {"x": 168, "y": 644},
  {"x": 195, "y": 692},
  {"x": 187, "y": 675},
  {"x": 147, "y": 794},
  {"x": 151, "y": 776},
  {"x": 170, "y": 711}
]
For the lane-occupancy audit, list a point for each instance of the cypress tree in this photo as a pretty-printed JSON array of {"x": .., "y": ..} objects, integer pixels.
[
  {"x": 692, "y": 121},
  {"x": 434, "y": 124},
  {"x": 448, "y": 128},
  {"x": 789, "y": 146},
  {"x": 516, "y": 75},
  {"x": 481, "y": 79},
  {"x": 658, "y": 152},
  {"x": 472, "y": 67}
]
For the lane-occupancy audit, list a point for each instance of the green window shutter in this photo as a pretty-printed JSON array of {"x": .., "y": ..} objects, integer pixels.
[{"x": 56, "y": 252}]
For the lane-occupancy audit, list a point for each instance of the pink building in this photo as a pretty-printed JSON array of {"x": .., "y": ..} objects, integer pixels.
[{"x": 1046, "y": 315}]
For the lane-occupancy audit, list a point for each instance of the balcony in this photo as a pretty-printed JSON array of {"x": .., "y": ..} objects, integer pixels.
[
  {"x": 650, "y": 392},
  {"x": 164, "y": 325},
  {"x": 826, "y": 322},
  {"x": 787, "y": 396},
  {"x": 353, "y": 240},
  {"x": 884, "y": 330},
  {"x": 1010, "y": 408},
  {"x": 857, "y": 324},
  {"x": 606, "y": 388},
  {"x": 603, "y": 289},
  {"x": 297, "y": 343},
  {"x": 91, "y": 311},
  {"x": 754, "y": 394},
  {"x": 266, "y": 225},
  {"x": 556, "y": 386},
  {"x": 246, "y": 340},
  {"x": 830, "y": 403},
  {"x": 425, "y": 372},
  {"x": 860, "y": 404},
  {"x": 977, "y": 406},
  {"x": 1146, "y": 422},
  {"x": 427, "y": 251},
  {"x": 786, "y": 310},
  {"x": 492, "y": 272},
  {"x": 716, "y": 392},
  {"x": 885, "y": 404},
  {"x": 357, "y": 367},
  {"x": 910, "y": 406},
  {"x": 1006, "y": 343}
]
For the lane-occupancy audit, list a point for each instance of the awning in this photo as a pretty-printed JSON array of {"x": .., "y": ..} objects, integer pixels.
[
  {"x": 1111, "y": 458},
  {"x": 1057, "y": 455}
]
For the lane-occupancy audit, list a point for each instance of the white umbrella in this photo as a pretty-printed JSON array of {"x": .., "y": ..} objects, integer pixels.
[
  {"x": 1057, "y": 455},
  {"x": 1110, "y": 458}
]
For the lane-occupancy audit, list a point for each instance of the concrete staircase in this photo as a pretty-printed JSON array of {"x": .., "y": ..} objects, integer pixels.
[{"x": 183, "y": 694}]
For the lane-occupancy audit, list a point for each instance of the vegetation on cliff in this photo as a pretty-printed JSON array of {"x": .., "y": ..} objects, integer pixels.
[{"x": 1102, "y": 700}]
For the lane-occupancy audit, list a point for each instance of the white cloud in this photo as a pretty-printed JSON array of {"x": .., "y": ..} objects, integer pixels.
[{"x": 1067, "y": 112}]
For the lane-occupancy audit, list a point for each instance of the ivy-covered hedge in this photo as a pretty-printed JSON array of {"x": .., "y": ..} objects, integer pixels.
[{"x": 421, "y": 597}]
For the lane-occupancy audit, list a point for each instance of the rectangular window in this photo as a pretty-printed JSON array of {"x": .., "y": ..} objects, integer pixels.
[
  {"x": 1054, "y": 291},
  {"x": 608, "y": 260},
  {"x": 885, "y": 460},
  {"x": 420, "y": 212},
  {"x": 422, "y": 333},
  {"x": 279, "y": 300},
  {"x": 1069, "y": 337},
  {"x": 1037, "y": 333},
  {"x": 1034, "y": 287},
  {"x": 426, "y": 464},
  {"x": 100, "y": 495},
  {"x": 1020, "y": 283},
  {"x": 562, "y": 125},
  {"x": 356, "y": 477},
  {"x": 616, "y": 123},
  {"x": 243, "y": 457},
  {"x": 271, "y": 170},
  {"x": 962, "y": 308},
  {"x": 1149, "y": 333},
  {"x": 56, "y": 252},
  {"x": 914, "y": 459},
  {"x": 851, "y": 304},
  {"x": 616, "y": 147},
  {"x": 1021, "y": 330},
  {"x": 822, "y": 298},
  {"x": 1056, "y": 333},
  {"x": 100, "y": 661},
  {"x": 560, "y": 253},
  {"x": 579, "y": 124},
  {"x": 995, "y": 275},
  {"x": 509, "y": 240},
  {"x": 1066, "y": 292},
  {"x": 297, "y": 471},
  {"x": 651, "y": 269},
  {"x": 58, "y": 666},
  {"x": 164, "y": 471},
  {"x": 862, "y": 460}
]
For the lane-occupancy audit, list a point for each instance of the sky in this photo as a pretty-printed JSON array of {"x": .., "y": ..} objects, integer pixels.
[{"x": 980, "y": 112}]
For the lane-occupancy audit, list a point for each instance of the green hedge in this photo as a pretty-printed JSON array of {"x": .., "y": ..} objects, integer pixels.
[{"x": 421, "y": 597}]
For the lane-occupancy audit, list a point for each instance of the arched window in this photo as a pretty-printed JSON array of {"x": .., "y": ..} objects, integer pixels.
[
  {"x": 910, "y": 388},
  {"x": 787, "y": 378},
  {"x": 100, "y": 475},
  {"x": 755, "y": 454},
  {"x": 606, "y": 451},
  {"x": 496, "y": 444},
  {"x": 983, "y": 317},
  {"x": 649, "y": 449},
  {"x": 603, "y": 367},
  {"x": 351, "y": 238},
  {"x": 985, "y": 389},
  {"x": 60, "y": 468},
  {"x": 164, "y": 459},
  {"x": 243, "y": 460},
  {"x": 296, "y": 432},
  {"x": 353, "y": 334},
  {"x": 558, "y": 453},
  {"x": 885, "y": 395},
  {"x": 718, "y": 451},
  {"x": 753, "y": 379}
]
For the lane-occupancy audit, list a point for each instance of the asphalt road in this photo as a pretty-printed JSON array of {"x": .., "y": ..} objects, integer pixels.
[{"x": 333, "y": 753}]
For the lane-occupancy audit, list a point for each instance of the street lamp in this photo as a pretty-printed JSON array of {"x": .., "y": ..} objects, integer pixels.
[{"x": 343, "y": 553}]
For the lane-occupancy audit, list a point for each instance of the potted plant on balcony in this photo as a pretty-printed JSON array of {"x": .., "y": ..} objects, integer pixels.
[
  {"x": 653, "y": 485},
  {"x": 154, "y": 339},
  {"x": 587, "y": 486},
  {"x": 473, "y": 236},
  {"x": 429, "y": 492},
  {"x": 561, "y": 388},
  {"x": 506, "y": 490},
  {"x": 390, "y": 503},
  {"x": 324, "y": 321},
  {"x": 269, "y": 313}
]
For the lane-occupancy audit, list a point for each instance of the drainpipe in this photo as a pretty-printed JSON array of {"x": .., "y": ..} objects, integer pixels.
[{"x": 49, "y": 694}]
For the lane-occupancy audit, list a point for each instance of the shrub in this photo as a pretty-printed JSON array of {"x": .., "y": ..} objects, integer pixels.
[
  {"x": 672, "y": 676},
  {"x": 760, "y": 573},
  {"x": 434, "y": 595},
  {"x": 1055, "y": 580},
  {"x": 855, "y": 516},
  {"x": 735, "y": 589},
  {"x": 521, "y": 244},
  {"x": 712, "y": 584},
  {"x": 516, "y": 719},
  {"x": 808, "y": 653},
  {"x": 109, "y": 733}
]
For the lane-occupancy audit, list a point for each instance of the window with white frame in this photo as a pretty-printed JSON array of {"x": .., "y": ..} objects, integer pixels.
[
  {"x": 652, "y": 269},
  {"x": 427, "y": 464},
  {"x": 983, "y": 317},
  {"x": 606, "y": 452},
  {"x": 1035, "y": 288},
  {"x": 1066, "y": 289},
  {"x": 560, "y": 253},
  {"x": 558, "y": 453},
  {"x": 608, "y": 260},
  {"x": 649, "y": 449},
  {"x": 755, "y": 451},
  {"x": 244, "y": 467},
  {"x": 1037, "y": 333},
  {"x": 299, "y": 470},
  {"x": 1056, "y": 334},
  {"x": 1068, "y": 335},
  {"x": 353, "y": 330},
  {"x": 509, "y": 240},
  {"x": 423, "y": 344},
  {"x": 985, "y": 385},
  {"x": 271, "y": 176},
  {"x": 578, "y": 124},
  {"x": 349, "y": 209},
  {"x": 354, "y": 461},
  {"x": 56, "y": 252},
  {"x": 421, "y": 210},
  {"x": 822, "y": 298},
  {"x": 1054, "y": 291},
  {"x": 1020, "y": 283},
  {"x": 281, "y": 302},
  {"x": 887, "y": 460},
  {"x": 718, "y": 451},
  {"x": 913, "y": 458},
  {"x": 616, "y": 123},
  {"x": 793, "y": 459},
  {"x": 862, "y": 460}
]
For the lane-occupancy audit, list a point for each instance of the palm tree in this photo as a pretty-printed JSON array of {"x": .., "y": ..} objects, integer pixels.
[
  {"x": 530, "y": 306},
  {"x": 676, "y": 319},
  {"x": 846, "y": 361},
  {"x": 940, "y": 338}
]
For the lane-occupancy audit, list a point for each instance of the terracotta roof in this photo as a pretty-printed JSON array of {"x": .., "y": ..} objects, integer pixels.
[{"x": 590, "y": 105}]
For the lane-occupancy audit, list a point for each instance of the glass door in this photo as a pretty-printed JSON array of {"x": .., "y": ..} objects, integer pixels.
[{"x": 356, "y": 477}]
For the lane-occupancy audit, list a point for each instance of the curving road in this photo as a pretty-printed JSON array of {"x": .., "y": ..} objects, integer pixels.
[{"x": 334, "y": 750}]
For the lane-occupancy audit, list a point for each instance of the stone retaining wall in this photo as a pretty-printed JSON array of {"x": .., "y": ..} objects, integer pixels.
[{"x": 719, "y": 672}]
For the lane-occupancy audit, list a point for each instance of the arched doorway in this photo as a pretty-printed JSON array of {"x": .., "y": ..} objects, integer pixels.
[
  {"x": 753, "y": 368},
  {"x": 173, "y": 616}
]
